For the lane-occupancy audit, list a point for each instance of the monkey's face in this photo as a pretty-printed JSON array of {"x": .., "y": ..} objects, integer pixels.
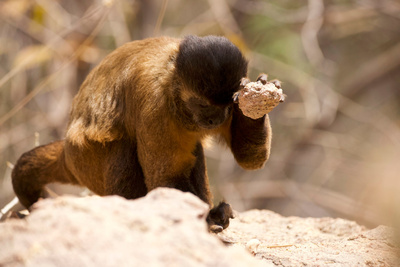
[
  {"x": 209, "y": 70},
  {"x": 206, "y": 115}
]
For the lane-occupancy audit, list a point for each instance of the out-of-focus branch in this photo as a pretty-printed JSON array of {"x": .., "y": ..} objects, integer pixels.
[
  {"x": 347, "y": 16},
  {"x": 270, "y": 10},
  {"x": 57, "y": 37},
  {"x": 51, "y": 77},
  {"x": 199, "y": 24},
  {"x": 49, "y": 38},
  {"x": 160, "y": 18},
  {"x": 310, "y": 31},
  {"x": 304, "y": 194},
  {"x": 389, "y": 7},
  {"x": 224, "y": 17},
  {"x": 352, "y": 109},
  {"x": 374, "y": 118},
  {"x": 56, "y": 12},
  {"x": 118, "y": 25},
  {"x": 371, "y": 70}
]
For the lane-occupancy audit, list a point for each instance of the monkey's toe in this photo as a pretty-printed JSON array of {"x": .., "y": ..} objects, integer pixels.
[{"x": 218, "y": 217}]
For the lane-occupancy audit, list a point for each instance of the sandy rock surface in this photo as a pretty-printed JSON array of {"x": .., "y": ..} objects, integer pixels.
[
  {"x": 294, "y": 241},
  {"x": 167, "y": 228}
]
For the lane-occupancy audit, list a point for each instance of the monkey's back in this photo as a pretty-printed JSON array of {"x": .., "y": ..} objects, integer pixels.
[{"x": 138, "y": 70}]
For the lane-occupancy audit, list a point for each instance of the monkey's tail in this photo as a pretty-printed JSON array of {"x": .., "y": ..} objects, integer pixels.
[{"x": 35, "y": 169}]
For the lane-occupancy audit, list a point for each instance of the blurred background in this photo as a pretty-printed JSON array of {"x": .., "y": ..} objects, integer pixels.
[{"x": 336, "y": 140}]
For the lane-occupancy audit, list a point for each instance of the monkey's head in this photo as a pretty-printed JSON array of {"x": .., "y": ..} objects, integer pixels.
[{"x": 210, "y": 69}]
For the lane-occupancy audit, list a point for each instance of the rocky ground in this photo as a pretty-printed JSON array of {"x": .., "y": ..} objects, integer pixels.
[{"x": 167, "y": 228}]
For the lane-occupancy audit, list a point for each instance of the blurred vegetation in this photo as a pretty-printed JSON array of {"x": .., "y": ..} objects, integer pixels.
[{"x": 336, "y": 140}]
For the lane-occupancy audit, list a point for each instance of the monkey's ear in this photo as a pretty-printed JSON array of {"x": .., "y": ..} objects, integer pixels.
[{"x": 96, "y": 115}]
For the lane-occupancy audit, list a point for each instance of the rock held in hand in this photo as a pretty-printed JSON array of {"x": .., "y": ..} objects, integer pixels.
[{"x": 258, "y": 98}]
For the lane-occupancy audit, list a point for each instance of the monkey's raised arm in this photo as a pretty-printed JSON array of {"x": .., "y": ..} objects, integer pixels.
[
  {"x": 250, "y": 140},
  {"x": 249, "y": 132}
]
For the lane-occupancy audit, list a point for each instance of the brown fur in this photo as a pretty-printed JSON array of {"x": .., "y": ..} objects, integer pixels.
[{"x": 133, "y": 128}]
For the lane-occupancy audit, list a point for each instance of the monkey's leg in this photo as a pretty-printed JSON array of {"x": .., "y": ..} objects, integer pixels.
[
  {"x": 198, "y": 184},
  {"x": 198, "y": 180},
  {"x": 111, "y": 168},
  {"x": 38, "y": 167},
  {"x": 186, "y": 171},
  {"x": 123, "y": 174},
  {"x": 183, "y": 170}
]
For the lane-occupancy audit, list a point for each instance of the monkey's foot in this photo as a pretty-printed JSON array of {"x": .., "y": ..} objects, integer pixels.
[{"x": 218, "y": 217}]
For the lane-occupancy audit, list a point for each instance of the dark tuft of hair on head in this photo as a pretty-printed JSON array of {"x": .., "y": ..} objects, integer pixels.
[{"x": 212, "y": 66}]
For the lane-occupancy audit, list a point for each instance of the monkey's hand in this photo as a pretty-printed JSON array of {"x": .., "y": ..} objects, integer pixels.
[
  {"x": 258, "y": 98},
  {"x": 218, "y": 217}
]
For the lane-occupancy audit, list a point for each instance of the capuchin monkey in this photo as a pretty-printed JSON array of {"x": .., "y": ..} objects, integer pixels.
[{"x": 139, "y": 121}]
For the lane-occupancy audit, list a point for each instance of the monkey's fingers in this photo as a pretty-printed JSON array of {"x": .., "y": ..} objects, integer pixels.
[
  {"x": 236, "y": 97},
  {"x": 244, "y": 82},
  {"x": 263, "y": 78},
  {"x": 277, "y": 83},
  {"x": 218, "y": 217},
  {"x": 215, "y": 228}
]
